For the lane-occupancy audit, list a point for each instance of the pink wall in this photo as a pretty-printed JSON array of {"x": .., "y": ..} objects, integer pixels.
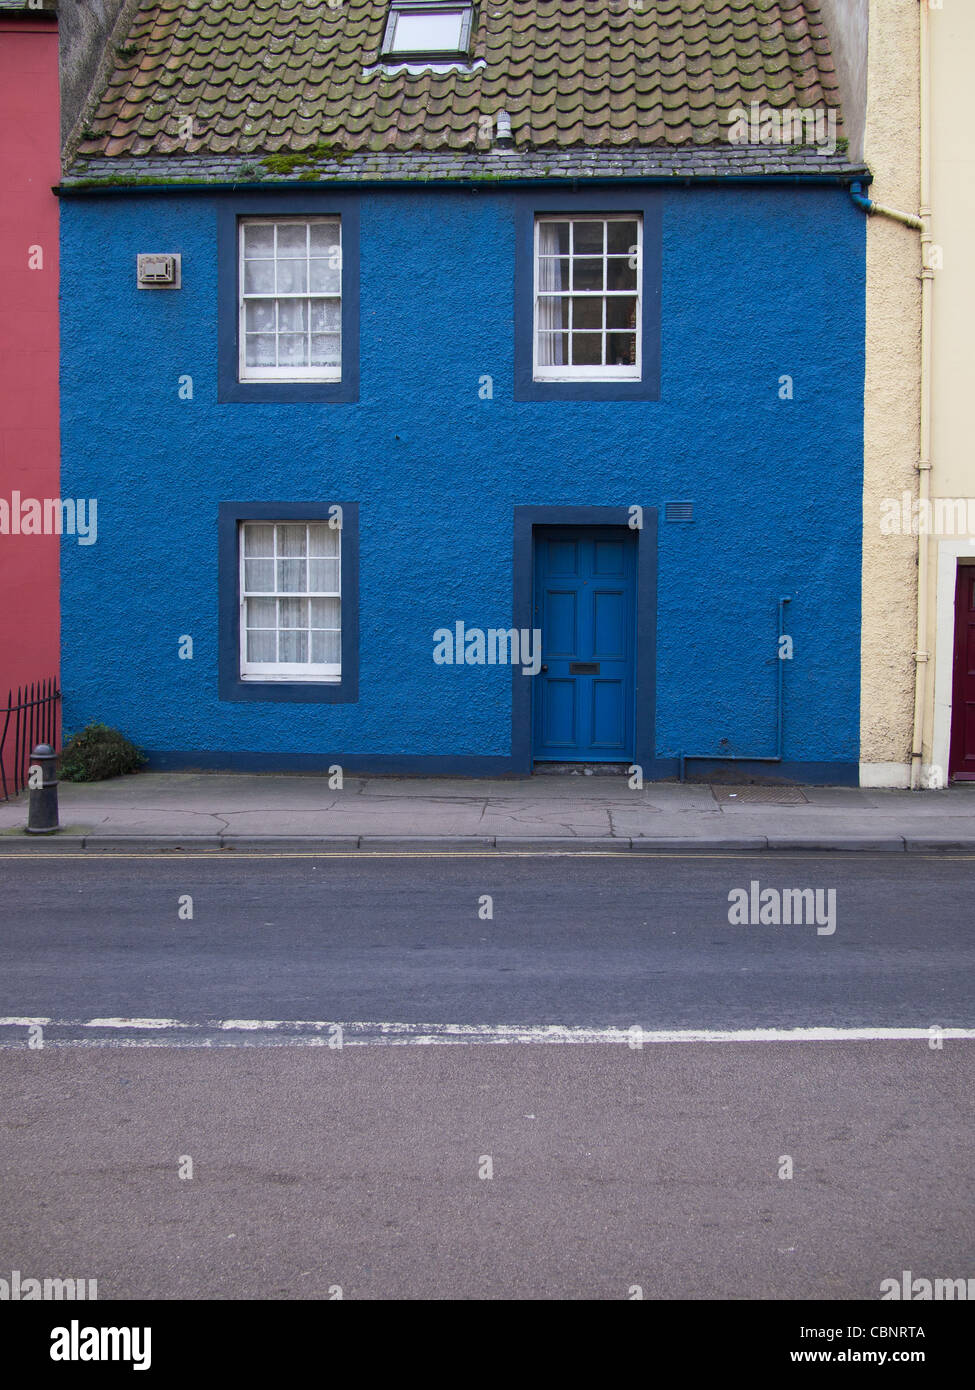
[{"x": 29, "y": 166}]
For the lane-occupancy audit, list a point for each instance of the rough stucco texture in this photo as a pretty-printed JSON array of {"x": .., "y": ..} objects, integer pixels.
[
  {"x": 891, "y": 439},
  {"x": 757, "y": 284}
]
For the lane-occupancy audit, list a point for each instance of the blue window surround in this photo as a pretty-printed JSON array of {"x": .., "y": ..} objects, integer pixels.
[
  {"x": 313, "y": 203},
  {"x": 649, "y": 202},
  {"x": 526, "y": 519},
  {"x": 231, "y": 687}
]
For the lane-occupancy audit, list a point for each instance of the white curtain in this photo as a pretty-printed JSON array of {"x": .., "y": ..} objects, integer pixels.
[{"x": 550, "y": 311}]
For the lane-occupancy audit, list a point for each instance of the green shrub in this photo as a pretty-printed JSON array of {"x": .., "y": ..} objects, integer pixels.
[{"x": 98, "y": 752}]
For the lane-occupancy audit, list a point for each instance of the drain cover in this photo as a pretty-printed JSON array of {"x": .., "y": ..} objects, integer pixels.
[{"x": 764, "y": 796}]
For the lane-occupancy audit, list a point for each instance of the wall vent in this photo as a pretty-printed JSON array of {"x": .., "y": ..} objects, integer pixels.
[
  {"x": 158, "y": 271},
  {"x": 679, "y": 511}
]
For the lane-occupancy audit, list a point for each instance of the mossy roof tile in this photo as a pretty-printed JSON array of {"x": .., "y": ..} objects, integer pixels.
[{"x": 278, "y": 75}]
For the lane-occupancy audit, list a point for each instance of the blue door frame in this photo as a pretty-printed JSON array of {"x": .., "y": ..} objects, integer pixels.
[
  {"x": 527, "y": 522},
  {"x": 585, "y": 607}
]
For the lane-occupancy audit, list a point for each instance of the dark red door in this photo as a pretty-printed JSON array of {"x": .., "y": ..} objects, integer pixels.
[{"x": 961, "y": 761}]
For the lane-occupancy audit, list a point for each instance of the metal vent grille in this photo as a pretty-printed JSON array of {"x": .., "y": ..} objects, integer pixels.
[{"x": 679, "y": 511}]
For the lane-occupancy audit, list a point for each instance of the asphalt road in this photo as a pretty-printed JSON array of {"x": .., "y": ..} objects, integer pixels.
[
  {"x": 606, "y": 941},
  {"x": 362, "y": 1169},
  {"x": 611, "y": 1168}
]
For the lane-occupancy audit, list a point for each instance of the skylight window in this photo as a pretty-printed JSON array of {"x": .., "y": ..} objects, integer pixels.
[{"x": 427, "y": 29}]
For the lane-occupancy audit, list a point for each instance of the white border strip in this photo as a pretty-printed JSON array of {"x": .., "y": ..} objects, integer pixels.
[{"x": 433, "y": 1034}]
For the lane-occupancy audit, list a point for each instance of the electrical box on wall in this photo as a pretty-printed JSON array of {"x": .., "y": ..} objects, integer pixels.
[{"x": 157, "y": 271}]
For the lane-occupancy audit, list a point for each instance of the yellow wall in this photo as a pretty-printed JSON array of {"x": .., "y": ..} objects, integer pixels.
[{"x": 892, "y": 393}]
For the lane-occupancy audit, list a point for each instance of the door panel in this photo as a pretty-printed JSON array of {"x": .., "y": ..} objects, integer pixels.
[
  {"x": 961, "y": 760},
  {"x": 585, "y": 604},
  {"x": 560, "y": 620},
  {"x": 608, "y": 723}
]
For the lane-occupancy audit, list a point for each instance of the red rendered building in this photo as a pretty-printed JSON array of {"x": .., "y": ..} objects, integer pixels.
[{"x": 29, "y": 456}]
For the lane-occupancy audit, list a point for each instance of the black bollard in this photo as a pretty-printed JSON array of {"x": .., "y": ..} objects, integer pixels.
[{"x": 42, "y": 808}]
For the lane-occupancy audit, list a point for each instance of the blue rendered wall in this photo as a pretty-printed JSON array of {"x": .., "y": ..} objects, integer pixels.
[{"x": 758, "y": 282}]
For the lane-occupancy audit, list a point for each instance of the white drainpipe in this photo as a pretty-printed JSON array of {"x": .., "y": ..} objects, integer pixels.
[{"x": 924, "y": 461}]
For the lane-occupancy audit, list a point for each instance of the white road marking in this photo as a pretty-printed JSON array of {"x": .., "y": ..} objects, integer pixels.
[
  {"x": 361, "y": 1034},
  {"x": 136, "y": 1023}
]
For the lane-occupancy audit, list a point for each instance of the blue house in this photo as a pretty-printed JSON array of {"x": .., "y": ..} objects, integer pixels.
[{"x": 466, "y": 387}]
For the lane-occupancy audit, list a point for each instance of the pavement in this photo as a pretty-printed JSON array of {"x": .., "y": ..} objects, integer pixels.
[{"x": 169, "y": 810}]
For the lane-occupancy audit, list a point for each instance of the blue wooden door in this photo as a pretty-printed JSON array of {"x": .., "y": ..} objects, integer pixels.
[{"x": 585, "y": 604}]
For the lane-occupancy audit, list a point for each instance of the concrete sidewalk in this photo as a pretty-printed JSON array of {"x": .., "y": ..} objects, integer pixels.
[{"x": 252, "y": 812}]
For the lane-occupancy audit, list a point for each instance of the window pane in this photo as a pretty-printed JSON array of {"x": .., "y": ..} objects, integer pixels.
[
  {"x": 325, "y": 612},
  {"x": 261, "y": 612},
  {"x": 553, "y": 238},
  {"x": 291, "y": 316},
  {"x": 620, "y": 275},
  {"x": 323, "y": 576},
  {"x": 326, "y": 315},
  {"x": 587, "y": 274},
  {"x": 621, "y": 312},
  {"x": 292, "y": 239},
  {"x": 292, "y": 350},
  {"x": 260, "y": 316},
  {"x": 588, "y": 237},
  {"x": 587, "y": 349},
  {"x": 428, "y": 33},
  {"x": 326, "y": 278},
  {"x": 323, "y": 540},
  {"x": 258, "y": 540},
  {"x": 261, "y": 646},
  {"x": 553, "y": 273},
  {"x": 326, "y": 646},
  {"x": 259, "y": 576},
  {"x": 326, "y": 350},
  {"x": 292, "y": 612},
  {"x": 553, "y": 349},
  {"x": 260, "y": 351},
  {"x": 292, "y": 539},
  {"x": 258, "y": 277},
  {"x": 292, "y": 646},
  {"x": 258, "y": 239},
  {"x": 553, "y": 313},
  {"x": 621, "y": 349},
  {"x": 324, "y": 237},
  {"x": 291, "y": 576},
  {"x": 620, "y": 237},
  {"x": 587, "y": 313},
  {"x": 292, "y": 277}
]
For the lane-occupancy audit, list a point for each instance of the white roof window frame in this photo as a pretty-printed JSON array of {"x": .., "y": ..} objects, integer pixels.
[{"x": 396, "y": 50}]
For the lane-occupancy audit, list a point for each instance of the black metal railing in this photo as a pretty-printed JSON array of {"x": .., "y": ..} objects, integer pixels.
[{"x": 32, "y": 717}]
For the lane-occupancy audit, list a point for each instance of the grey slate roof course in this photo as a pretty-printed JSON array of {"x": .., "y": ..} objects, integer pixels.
[{"x": 630, "y": 163}]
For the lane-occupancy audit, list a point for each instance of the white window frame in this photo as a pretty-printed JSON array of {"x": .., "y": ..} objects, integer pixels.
[
  {"x": 329, "y": 672},
  {"x": 465, "y": 8},
  {"x": 566, "y": 371},
  {"x": 285, "y": 373}
]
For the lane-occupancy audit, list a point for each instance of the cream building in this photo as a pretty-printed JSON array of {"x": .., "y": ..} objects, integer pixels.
[{"x": 912, "y": 60}]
